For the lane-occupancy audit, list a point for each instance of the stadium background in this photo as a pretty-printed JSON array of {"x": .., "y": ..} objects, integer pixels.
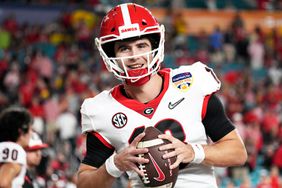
[{"x": 48, "y": 64}]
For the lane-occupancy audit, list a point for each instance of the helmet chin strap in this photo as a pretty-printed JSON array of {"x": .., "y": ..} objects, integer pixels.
[{"x": 138, "y": 81}]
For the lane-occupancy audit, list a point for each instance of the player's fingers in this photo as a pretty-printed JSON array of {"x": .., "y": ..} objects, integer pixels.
[
  {"x": 139, "y": 159},
  {"x": 137, "y": 139},
  {"x": 167, "y": 137},
  {"x": 170, "y": 154},
  {"x": 176, "y": 163},
  {"x": 166, "y": 147},
  {"x": 137, "y": 170},
  {"x": 139, "y": 151}
]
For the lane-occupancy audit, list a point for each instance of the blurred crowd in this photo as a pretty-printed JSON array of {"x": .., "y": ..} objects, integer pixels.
[
  {"x": 50, "y": 69},
  {"x": 269, "y": 5}
]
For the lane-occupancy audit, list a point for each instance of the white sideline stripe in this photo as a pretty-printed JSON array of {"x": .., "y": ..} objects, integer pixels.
[
  {"x": 125, "y": 14},
  {"x": 150, "y": 143}
]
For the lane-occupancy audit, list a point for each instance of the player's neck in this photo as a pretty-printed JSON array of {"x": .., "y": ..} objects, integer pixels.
[
  {"x": 146, "y": 92},
  {"x": 22, "y": 141}
]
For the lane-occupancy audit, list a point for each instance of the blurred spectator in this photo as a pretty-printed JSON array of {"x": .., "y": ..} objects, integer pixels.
[
  {"x": 256, "y": 52},
  {"x": 43, "y": 65},
  {"x": 211, "y": 5},
  {"x": 176, "y": 4},
  {"x": 264, "y": 182},
  {"x": 180, "y": 27},
  {"x": 10, "y": 24},
  {"x": 264, "y": 5},
  {"x": 274, "y": 177},
  {"x": 277, "y": 159},
  {"x": 12, "y": 81},
  {"x": 83, "y": 34},
  {"x": 216, "y": 39},
  {"x": 237, "y": 119},
  {"x": 66, "y": 124},
  {"x": 5, "y": 39}
]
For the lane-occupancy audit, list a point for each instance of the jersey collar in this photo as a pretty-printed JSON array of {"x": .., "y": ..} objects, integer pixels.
[{"x": 145, "y": 109}]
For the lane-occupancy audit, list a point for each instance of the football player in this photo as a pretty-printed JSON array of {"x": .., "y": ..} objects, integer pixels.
[
  {"x": 34, "y": 155},
  {"x": 15, "y": 131},
  {"x": 179, "y": 102}
]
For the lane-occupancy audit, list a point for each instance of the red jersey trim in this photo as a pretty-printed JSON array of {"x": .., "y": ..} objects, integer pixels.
[
  {"x": 205, "y": 106},
  {"x": 27, "y": 179},
  {"x": 138, "y": 106},
  {"x": 105, "y": 142}
]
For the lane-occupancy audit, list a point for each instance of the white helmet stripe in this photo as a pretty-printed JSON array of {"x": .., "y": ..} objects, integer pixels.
[{"x": 125, "y": 14}]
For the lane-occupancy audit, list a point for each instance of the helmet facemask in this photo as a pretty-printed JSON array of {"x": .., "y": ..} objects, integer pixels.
[{"x": 117, "y": 64}]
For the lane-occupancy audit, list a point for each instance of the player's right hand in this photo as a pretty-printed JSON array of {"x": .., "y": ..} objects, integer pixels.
[{"x": 127, "y": 159}]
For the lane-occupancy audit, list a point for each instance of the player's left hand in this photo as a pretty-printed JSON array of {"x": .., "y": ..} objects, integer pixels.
[{"x": 183, "y": 152}]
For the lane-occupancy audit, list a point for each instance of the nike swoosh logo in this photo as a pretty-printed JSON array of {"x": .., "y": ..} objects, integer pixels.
[
  {"x": 173, "y": 105},
  {"x": 161, "y": 175}
]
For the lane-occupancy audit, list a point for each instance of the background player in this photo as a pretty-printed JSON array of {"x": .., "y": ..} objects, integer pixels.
[
  {"x": 179, "y": 101},
  {"x": 15, "y": 131},
  {"x": 34, "y": 155}
]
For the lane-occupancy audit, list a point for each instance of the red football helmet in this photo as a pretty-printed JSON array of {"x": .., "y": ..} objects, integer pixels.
[{"x": 127, "y": 21}]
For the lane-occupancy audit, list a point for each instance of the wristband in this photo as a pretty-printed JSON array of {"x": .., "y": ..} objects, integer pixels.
[
  {"x": 199, "y": 153},
  {"x": 112, "y": 168}
]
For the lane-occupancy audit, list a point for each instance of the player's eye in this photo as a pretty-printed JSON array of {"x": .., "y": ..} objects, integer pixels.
[
  {"x": 143, "y": 45},
  {"x": 123, "y": 48}
]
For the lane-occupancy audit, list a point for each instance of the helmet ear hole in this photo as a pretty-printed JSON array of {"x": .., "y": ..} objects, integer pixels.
[
  {"x": 109, "y": 49},
  {"x": 154, "y": 39},
  {"x": 144, "y": 22}
]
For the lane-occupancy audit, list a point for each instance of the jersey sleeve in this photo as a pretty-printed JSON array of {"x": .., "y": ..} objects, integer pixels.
[
  {"x": 216, "y": 123},
  {"x": 97, "y": 151},
  {"x": 86, "y": 123},
  {"x": 206, "y": 79},
  {"x": 12, "y": 153}
]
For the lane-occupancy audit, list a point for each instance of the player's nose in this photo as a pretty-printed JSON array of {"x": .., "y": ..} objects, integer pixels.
[{"x": 134, "y": 54}]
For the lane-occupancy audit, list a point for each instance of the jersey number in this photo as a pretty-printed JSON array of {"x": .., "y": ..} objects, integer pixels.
[
  {"x": 169, "y": 125},
  {"x": 10, "y": 154}
]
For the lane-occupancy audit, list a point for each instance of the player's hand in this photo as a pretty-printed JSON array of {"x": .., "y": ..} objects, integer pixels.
[
  {"x": 184, "y": 152},
  {"x": 127, "y": 159}
]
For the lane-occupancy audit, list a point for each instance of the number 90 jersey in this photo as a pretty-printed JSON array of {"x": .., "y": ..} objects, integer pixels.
[
  {"x": 11, "y": 152},
  {"x": 178, "y": 110}
]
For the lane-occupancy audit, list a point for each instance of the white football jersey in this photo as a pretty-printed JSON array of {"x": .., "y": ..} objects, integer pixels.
[
  {"x": 11, "y": 152},
  {"x": 178, "y": 110}
]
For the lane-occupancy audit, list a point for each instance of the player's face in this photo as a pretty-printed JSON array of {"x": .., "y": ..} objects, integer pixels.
[
  {"x": 34, "y": 157},
  {"x": 135, "y": 54}
]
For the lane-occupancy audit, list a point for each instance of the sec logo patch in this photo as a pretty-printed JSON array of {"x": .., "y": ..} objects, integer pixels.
[
  {"x": 119, "y": 120},
  {"x": 182, "y": 81}
]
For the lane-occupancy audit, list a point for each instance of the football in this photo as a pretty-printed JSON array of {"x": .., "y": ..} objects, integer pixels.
[{"x": 156, "y": 172}]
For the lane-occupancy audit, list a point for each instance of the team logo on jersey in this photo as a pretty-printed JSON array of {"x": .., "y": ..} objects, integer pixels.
[
  {"x": 119, "y": 120},
  {"x": 148, "y": 111},
  {"x": 182, "y": 81}
]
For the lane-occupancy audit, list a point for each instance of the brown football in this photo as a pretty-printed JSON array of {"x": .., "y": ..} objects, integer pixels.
[{"x": 157, "y": 172}]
